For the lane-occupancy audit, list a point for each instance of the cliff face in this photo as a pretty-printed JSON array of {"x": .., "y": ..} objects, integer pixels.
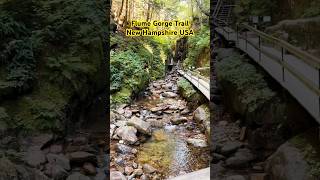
[{"x": 51, "y": 61}]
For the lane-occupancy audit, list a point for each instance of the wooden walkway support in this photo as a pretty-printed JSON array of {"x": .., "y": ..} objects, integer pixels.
[
  {"x": 296, "y": 70},
  {"x": 201, "y": 83}
]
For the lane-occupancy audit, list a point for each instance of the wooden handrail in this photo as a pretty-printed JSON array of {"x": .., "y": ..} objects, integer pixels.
[{"x": 306, "y": 57}]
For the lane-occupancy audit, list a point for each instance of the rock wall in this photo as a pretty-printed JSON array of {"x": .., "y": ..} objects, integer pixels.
[
  {"x": 297, "y": 159},
  {"x": 271, "y": 115}
]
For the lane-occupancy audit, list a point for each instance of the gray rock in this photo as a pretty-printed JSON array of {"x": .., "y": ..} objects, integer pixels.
[
  {"x": 89, "y": 168},
  {"x": 201, "y": 114},
  {"x": 42, "y": 140},
  {"x": 112, "y": 129},
  {"x": 124, "y": 149},
  {"x": 217, "y": 157},
  {"x": 81, "y": 157},
  {"x": 241, "y": 159},
  {"x": 291, "y": 162},
  {"x": 236, "y": 177},
  {"x": 121, "y": 123},
  {"x": 77, "y": 176},
  {"x": 117, "y": 175},
  {"x": 140, "y": 125},
  {"x": 230, "y": 147},
  {"x": 179, "y": 120},
  {"x": 60, "y": 160},
  {"x": 138, "y": 172},
  {"x": 34, "y": 157},
  {"x": 128, "y": 170},
  {"x": 144, "y": 177},
  {"x": 197, "y": 142},
  {"x": 56, "y": 148},
  {"x": 147, "y": 168},
  {"x": 79, "y": 141},
  {"x": 55, "y": 171},
  {"x": 169, "y": 94},
  {"x": 155, "y": 123},
  {"x": 8, "y": 170},
  {"x": 100, "y": 176},
  {"x": 128, "y": 134},
  {"x": 127, "y": 113},
  {"x": 185, "y": 111}
]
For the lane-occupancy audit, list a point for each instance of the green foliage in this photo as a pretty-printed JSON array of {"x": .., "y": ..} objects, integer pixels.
[
  {"x": 248, "y": 8},
  {"x": 186, "y": 88},
  {"x": 46, "y": 116},
  {"x": 70, "y": 69},
  {"x": 52, "y": 48},
  {"x": 196, "y": 45},
  {"x": 313, "y": 10},
  {"x": 244, "y": 76},
  {"x": 310, "y": 149},
  {"x": 133, "y": 64}
]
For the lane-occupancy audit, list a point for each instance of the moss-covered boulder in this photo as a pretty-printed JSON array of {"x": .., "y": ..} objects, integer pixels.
[
  {"x": 297, "y": 159},
  {"x": 188, "y": 92},
  {"x": 202, "y": 117},
  {"x": 271, "y": 117}
]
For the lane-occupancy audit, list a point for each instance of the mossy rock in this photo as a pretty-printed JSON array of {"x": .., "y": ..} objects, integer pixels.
[
  {"x": 188, "y": 92},
  {"x": 296, "y": 159},
  {"x": 271, "y": 116}
]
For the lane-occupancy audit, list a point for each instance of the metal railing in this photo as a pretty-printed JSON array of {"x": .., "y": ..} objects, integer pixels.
[
  {"x": 286, "y": 48},
  {"x": 198, "y": 81},
  {"x": 298, "y": 71}
]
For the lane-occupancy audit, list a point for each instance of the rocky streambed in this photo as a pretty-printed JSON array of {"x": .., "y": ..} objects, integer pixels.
[
  {"x": 49, "y": 157},
  {"x": 232, "y": 156},
  {"x": 157, "y": 137}
]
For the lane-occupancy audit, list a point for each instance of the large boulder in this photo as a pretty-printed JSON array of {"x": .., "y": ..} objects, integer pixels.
[
  {"x": 142, "y": 126},
  {"x": 128, "y": 134},
  {"x": 116, "y": 175},
  {"x": 34, "y": 157},
  {"x": 240, "y": 159},
  {"x": 82, "y": 157},
  {"x": 77, "y": 176},
  {"x": 188, "y": 92},
  {"x": 60, "y": 160},
  {"x": 296, "y": 159},
  {"x": 202, "y": 116}
]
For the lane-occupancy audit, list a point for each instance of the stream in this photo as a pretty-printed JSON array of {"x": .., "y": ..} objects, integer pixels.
[{"x": 155, "y": 137}]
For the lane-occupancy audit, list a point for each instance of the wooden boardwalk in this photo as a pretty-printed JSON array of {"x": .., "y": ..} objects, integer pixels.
[
  {"x": 201, "y": 83},
  {"x": 296, "y": 70}
]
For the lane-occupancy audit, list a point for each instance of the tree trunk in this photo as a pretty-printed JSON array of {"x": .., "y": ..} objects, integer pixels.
[
  {"x": 121, "y": 8},
  {"x": 148, "y": 11},
  {"x": 126, "y": 15}
]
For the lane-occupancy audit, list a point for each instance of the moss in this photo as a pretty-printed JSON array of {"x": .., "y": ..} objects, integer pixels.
[
  {"x": 120, "y": 97},
  {"x": 254, "y": 90},
  {"x": 309, "y": 146},
  {"x": 42, "y": 110},
  {"x": 186, "y": 89}
]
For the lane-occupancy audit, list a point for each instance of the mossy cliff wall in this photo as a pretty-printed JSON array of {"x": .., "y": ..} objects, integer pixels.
[{"x": 271, "y": 116}]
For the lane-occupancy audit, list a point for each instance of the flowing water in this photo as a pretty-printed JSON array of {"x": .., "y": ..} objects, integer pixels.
[{"x": 167, "y": 149}]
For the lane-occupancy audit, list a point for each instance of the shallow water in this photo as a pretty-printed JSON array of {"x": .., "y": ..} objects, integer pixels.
[{"x": 171, "y": 155}]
